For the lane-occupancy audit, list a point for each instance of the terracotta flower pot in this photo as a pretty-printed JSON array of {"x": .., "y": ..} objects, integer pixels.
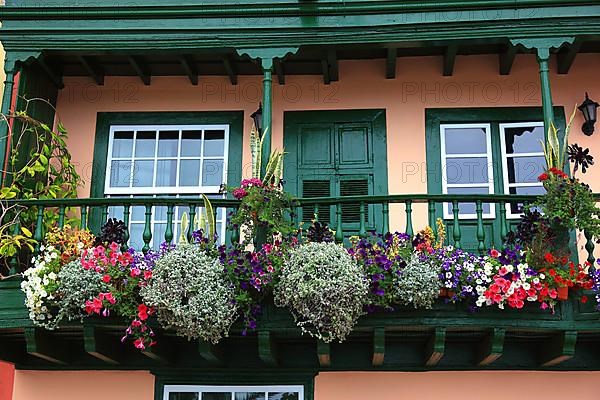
[
  {"x": 446, "y": 293},
  {"x": 563, "y": 292}
]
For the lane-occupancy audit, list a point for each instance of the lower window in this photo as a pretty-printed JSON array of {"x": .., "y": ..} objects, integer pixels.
[{"x": 186, "y": 392}]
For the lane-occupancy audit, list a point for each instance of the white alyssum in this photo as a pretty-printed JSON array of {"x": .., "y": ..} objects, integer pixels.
[
  {"x": 418, "y": 284},
  {"x": 191, "y": 294},
  {"x": 324, "y": 289}
]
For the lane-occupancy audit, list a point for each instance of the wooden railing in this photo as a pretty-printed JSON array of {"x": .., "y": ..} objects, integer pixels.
[{"x": 93, "y": 211}]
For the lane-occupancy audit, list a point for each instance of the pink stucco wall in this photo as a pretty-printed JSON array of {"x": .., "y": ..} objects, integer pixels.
[
  {"x": 7, "y": 373},
  {"x": 482, "y": 385}
]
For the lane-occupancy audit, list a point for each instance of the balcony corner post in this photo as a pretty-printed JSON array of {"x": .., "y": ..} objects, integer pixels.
[
  {"x": 267, "y": 116},
  {"x": 543, "y": 55}
]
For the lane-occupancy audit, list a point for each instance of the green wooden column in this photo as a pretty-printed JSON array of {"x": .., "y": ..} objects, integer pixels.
[
  {"x": 267, "y": 116},
  {"x": 543, "y": 55},
  {"x": 10, "y": 68}
]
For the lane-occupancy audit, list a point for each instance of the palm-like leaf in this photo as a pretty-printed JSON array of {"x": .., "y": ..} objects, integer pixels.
[
  {"x": 183, "y": 229},
  {"x": 209, "y": 214},
  {"x": 255, "y": 151}
]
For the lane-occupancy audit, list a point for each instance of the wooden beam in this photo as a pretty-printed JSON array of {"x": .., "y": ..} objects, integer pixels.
[
  {"x": 99, "y": 346},
  {"x": 52, "y": 74},
  {"x": 332, "y": 61},
  {"x": 435, "y": 347},
  {"x": 267, "y": 349},
  {"x": 141, "y": 69},
  {"x": 189, "y": 66},
  {"x": 506, "y": 59},
  {"x": 94, "y": 70},
  {"x": 325, "y": 70},
  {"x": 491, "y": 347},
  {"x": 280, "y": 71},
  {"x": 210, "y": 353},
  {"x": 40, "y": 344},
  {"x": 560, "y": 348},
  {"x": 378, "y": 346},
  {"x": 230, "y": 69},
  {"x": 324, "y": 354},
  {"x": 390, "y": 64},
  {"x": 565, "y": 60},
  {"x": 162, "y": 353},
  {"x": 449, "y": 59}
]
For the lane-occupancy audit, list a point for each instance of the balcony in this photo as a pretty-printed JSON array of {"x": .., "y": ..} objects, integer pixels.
[{"x": 449, "y": 336}]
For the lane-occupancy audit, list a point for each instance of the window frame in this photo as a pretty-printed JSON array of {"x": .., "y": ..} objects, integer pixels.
[
  {"x": 233, "y": 119},
  {"x": 490, "y": 166},
  {"x": 505, "y": 156},
  {"x": 154, "y": 190},
  {"x": 168, "y": 389}
]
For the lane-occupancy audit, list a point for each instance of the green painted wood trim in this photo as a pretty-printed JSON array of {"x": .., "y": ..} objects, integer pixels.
[
  {"x": 491, "y": 347},
  {"x": 378, "y": 346},
  {"x": 99, "y": 346},
  {"x": 104, "y": 120},
  {"x": 267, "y": 348},
  {"x": 559, "y": 349},
  {"x": 435, "y": 347}
]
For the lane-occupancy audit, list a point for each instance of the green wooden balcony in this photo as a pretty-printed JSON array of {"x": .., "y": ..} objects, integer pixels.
[{"x": 449, "y": 336}]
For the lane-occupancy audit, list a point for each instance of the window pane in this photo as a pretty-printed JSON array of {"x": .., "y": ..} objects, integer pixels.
[
  {"x": 250, "y": 396},
  {"x": 120, "y": 173},
  {"x": 216, "y": 396},
  {"x": 525, "y": 169},
  {"x": 212, "y": 172},
  {"x": 189, "y": 173},
  {"x": 467, "y": 170},
  {"x": 158, "y": 235},
  {"x": 135, "y": 239},
  {"x": 166, "y": 173},
  {"x": 468, "y": 208},
  {"x": 523, "y": 140},
  {"x": 160, "y": 213},
  {"x": 167, "y": 143},
  {"x": 115, "y": 212},
  {"x": 183, "y": 396},
  {"x": 144, "y": 144},
  {"x": 284, "y": 396},
  {"x": 138, "y": 213},
  {"x": 191, "y": 143},
  {"x": 214, "y": 143},
  {"x": 465, "y": 140},
  {"x": 143, "y": 173},
  {"x": 122, "y": 144}
]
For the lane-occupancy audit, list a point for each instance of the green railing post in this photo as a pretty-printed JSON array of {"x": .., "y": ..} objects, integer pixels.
[
  {"x": 104, "y": 215},
  {"x": 126, "y": 213},
  {"x": 192, "y": 221},
  {"x": 61, "y": 216},
  {"x": 589, "y": 247},
  {"x": 480, "y": 230},
  {"x": 409, "y": 225},
  {"x": 385, "y": 211},
  {"x": 456, "y": 234},
  {"x": 14, "y": 261},
  {"x": 169, "y": 228},
  {"x": 235, "y": 234},
  {"x": 10, "y": 69},
  {"x": 267, "y": 68},
  {"x": 432, "y": 222},
  {"x": 316, "y": 213},
  {"x": 39, "y": 229},
  {"x": 543, "y": 56},
  {"x": 84, "y": 213},
  {"x": 503, "y": 222},
  {"x": 339, "y": 233},
  {"x": 362, "y": 230},
  {"x": 147, "y": 235}
]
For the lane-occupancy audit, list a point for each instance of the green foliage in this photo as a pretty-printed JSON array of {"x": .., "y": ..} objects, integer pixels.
[{"x": 554, "y": 152}]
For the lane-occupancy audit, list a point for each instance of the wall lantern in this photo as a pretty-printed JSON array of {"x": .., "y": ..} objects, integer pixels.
[
  {"x": 257, "y": 118},
  {"x": 588, "y": 108}
]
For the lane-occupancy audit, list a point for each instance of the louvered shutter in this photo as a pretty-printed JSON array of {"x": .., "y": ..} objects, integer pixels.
[
  {"x": 353, "y": 187},
  {"x": 316, "y": 188}
]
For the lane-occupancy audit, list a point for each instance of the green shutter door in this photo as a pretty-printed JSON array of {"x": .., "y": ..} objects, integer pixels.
[{"x": 337, "y": 153}]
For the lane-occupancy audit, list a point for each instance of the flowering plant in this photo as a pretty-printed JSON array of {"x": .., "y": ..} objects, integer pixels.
[
  {"x": 509, "y": 281},
  {"x": 459, "y": 272},
  {"x": 324, "y": 288},
  {"x": 191, "y": 294},
  {"x": 418, "y": 284},
  {"x": 263, "y": 209},
  {"x": 41, "y": 282},
  {"x": 382, "y": 258},
  {"x": 252, "y": 274},
  {"x": 124, "y": 274}
]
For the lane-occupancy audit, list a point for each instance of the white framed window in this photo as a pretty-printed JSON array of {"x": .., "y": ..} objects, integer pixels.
[
  {"x": 167, "y": 161},
  {"x": 522, "y": 161},
  {"x": 191, "y": 392},
  {"x": 467, "y": 165}
]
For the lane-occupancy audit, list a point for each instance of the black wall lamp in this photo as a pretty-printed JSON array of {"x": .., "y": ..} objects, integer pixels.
[
  {"x": 257, "y": 118},
  {"x": 588, "y": 109}
]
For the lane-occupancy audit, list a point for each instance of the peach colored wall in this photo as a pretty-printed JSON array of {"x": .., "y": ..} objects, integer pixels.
[
  {"x": 419, "y": 85},
  {"x": 481, "y": 385},
  {"x": 88, "y": 385},
  {"x": 7, "y": 373}
]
